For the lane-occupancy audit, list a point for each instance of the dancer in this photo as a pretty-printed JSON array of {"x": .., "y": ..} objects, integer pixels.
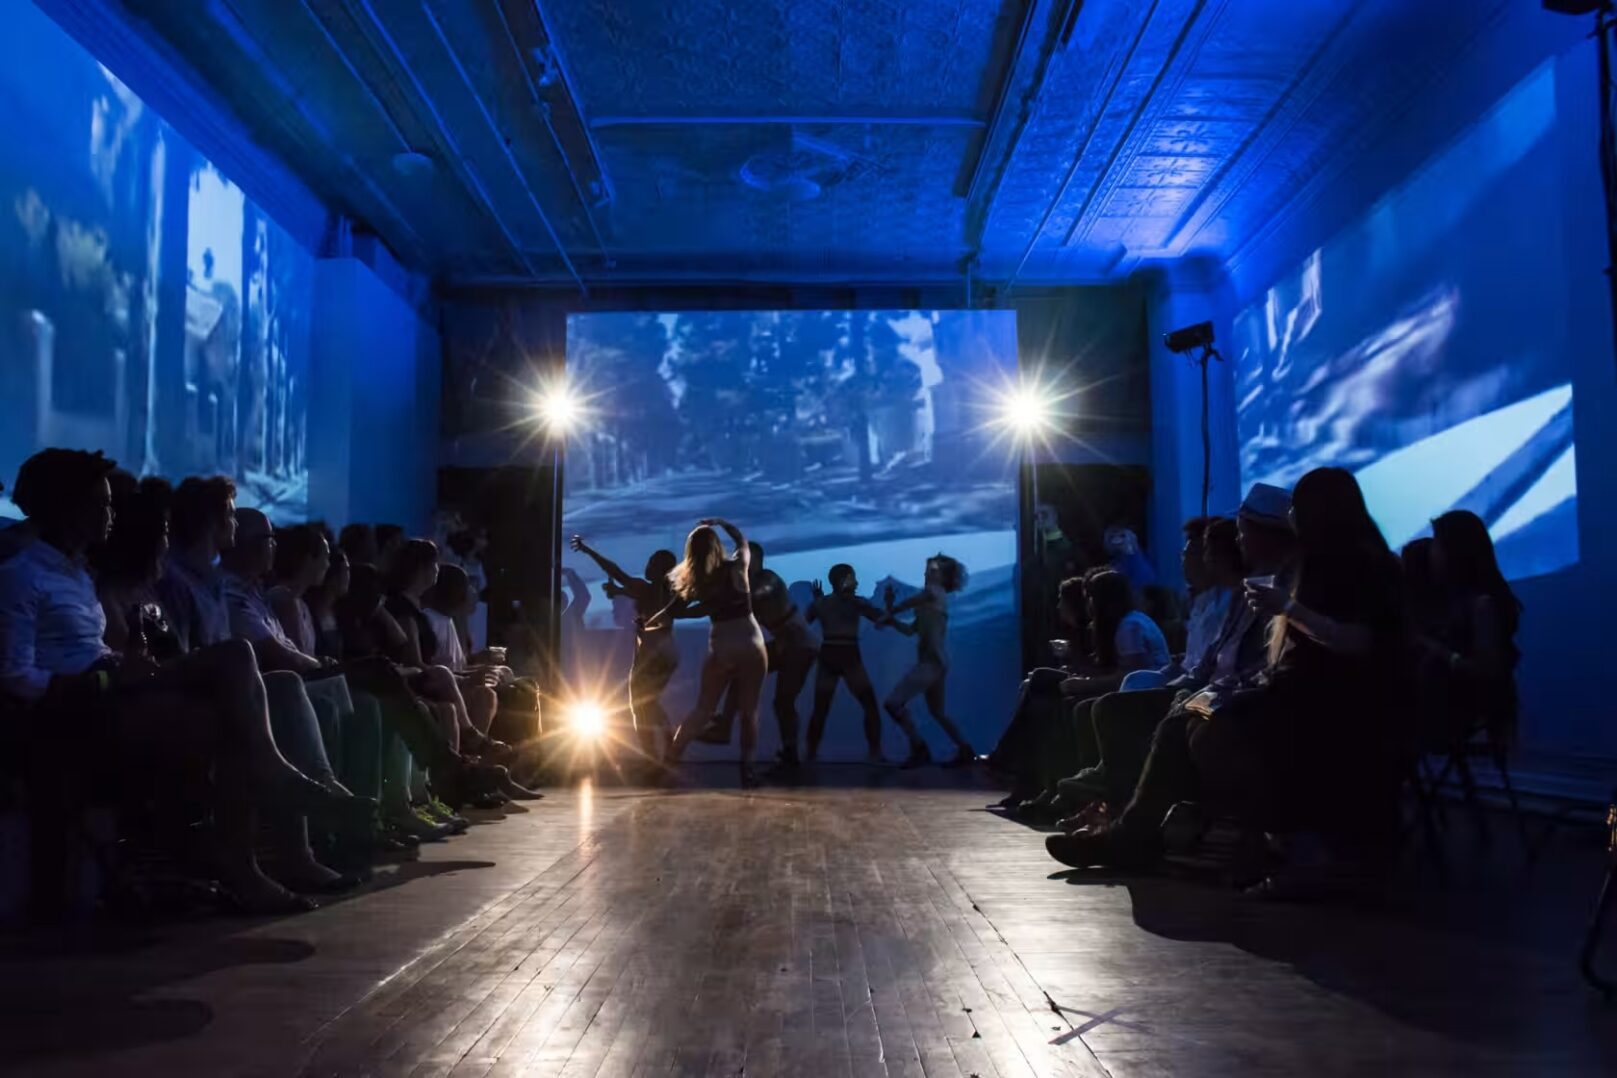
[
  {"x": 838, "y": 615},
  {"x": 944, "y": 575},
  {"x": 655, "y": 656},
  {"x": 791, "y": 650},
  {"x": 709, "y": 584}
]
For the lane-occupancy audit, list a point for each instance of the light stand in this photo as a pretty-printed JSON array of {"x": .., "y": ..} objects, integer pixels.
[{"x": 1183, "y": 342}]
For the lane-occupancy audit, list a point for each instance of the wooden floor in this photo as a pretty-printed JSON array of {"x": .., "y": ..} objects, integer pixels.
[{"x": 895, "y": 930}]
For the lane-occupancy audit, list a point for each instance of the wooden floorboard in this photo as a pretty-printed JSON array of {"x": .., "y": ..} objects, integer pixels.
[{"x": 896, "y": 931}]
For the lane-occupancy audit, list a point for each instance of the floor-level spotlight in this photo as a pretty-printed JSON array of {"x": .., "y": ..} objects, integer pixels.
[{"x": 587, "y": 719}]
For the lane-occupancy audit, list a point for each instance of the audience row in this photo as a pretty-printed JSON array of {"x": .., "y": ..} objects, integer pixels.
[{"x": 319, "y": 696}]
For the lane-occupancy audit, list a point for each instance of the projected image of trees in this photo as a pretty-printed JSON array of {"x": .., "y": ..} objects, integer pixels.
[{"x": 821, "y": 428}]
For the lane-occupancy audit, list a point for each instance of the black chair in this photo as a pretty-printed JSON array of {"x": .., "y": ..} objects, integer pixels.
[
  {"x": 1603, "y": 905},
  {"x": 1482, "y": 740}
]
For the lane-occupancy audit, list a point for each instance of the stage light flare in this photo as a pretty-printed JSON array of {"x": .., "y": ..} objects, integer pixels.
[
  {"x": 587, "y": 719},
  {"x": 559, "y": 408},
  {"x": 1027, "y": 411}
]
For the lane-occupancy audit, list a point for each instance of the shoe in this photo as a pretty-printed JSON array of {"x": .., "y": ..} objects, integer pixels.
[
  {"x": 435, "y": 811},
  {"x": 420, "y": 828},
  {"x": 1087, "y": 784},
  {"x": 390, "y": 841},
  {"x": 1034, "y": 808},
  {"x": 965, "y": 757},
  {"x": 1183, "y": 827},
  {"x": 919, "y": 756},
  {"x": 1100, "y": 848}
]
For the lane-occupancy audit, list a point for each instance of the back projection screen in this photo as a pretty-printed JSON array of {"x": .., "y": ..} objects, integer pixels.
[
  {"x": 862, "y": 437},
  {"x": 1426, "y": 347}
]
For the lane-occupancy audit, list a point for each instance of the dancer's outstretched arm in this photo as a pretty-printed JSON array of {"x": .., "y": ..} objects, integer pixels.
[{"x": 614, "y": 572}]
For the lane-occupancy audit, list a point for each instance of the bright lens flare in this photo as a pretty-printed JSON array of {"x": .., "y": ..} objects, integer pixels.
[
  {"x": 558, "y": 408},
  {"x": 587, "y": 718},
  {"x": 1027, "y": 411}
]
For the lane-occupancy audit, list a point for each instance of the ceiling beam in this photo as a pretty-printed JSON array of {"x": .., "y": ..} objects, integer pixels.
[
  {"x": 504, "y": 144},
  {"x": 543, "y": 108},
  {"x": 228, "y": 20},
  {"x": 760, "y": 120},
  {"x": 450, "y": 152},
  {"x": 570, "y": 88},
  {"x": 1002, "y": 99}
]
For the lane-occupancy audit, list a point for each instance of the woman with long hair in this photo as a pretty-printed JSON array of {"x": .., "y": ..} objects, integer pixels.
[
  {"x": 1469, "y": 653},
  {"x": 708, "y": 583}
]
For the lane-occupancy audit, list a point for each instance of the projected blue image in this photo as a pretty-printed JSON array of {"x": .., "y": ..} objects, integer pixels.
[
  {"x": 857, "y": 437},
  {"x": 1425, "y": 348},
  {"x": 147, "y": 307}
]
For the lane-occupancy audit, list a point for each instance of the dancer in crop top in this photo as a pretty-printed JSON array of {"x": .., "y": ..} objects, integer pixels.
[
  {"x": 655, "y": 656},
  {"x": 709, "y": 584},
  {"x": 944, "y": 576},
  {"x": 838, "y": 614}
]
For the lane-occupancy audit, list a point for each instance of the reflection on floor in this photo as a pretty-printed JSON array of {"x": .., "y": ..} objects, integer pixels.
[{"x": 844, "y": 929}]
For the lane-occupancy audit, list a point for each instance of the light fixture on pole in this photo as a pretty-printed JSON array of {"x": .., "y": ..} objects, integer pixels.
[
  {"x": 1183, "y": 342},
  {"x": 559, "y": 412}
]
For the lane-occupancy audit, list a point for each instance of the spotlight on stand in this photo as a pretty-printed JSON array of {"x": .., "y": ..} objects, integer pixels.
[
  {"x": 1027, "y": 411},
  {"x": 1183, "y": 342},
  {"x": 558, "y": 408},
  {"x": 1190, "y": 338}
]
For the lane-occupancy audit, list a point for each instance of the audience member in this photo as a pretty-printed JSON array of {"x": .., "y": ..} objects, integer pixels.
[
  {"x": 1466, "y": 650},
  {"x": 1210, "y": 599}
]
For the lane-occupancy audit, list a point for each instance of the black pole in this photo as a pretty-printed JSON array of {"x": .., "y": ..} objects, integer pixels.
[
  {"x": 1207, "y": 438},
  {"x": 1605, "y": 21}
]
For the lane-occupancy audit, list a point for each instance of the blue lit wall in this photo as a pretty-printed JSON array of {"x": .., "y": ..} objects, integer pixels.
[
  {"x": 147, "y": 307},
  {"x": 1437, "y": 317}
]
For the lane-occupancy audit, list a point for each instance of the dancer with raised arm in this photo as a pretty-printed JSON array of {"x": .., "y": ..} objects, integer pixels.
[
  {"x": 655, "y": 656},
  {"x": 840, "y": 660},
  {"x": 929, "y": 675},
  {"x": 709, "y": 584}
]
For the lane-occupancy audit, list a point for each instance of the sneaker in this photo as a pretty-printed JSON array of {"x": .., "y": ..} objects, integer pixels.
[
  {"x": 1088, "y": 783},
  {"x": 436, "y": 811}
]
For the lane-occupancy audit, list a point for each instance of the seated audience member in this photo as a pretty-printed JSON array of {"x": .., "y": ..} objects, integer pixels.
[
  {"x": 1210, "y": 601},
  {"x": 174, "y": 719},
  {"x": 127, "y": 568},
  {"x": 414, "y": 573},
  {"x": 310, "y": 721},
  {"x": 322, "y": 600},
  {"x": 1317, "y": 747},
  {"x": 1259, "y": 542},
  {"x": 1466, "y": 653},
  {"x": 1125, "y": 641},
  {"x": 1124, "y": 555},
  {"x": 1036, "y": 701},
  {"x": 358, "y": 544},
  {"x": 390, "y": 539},
  {"x": 515, "y": 717}
]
